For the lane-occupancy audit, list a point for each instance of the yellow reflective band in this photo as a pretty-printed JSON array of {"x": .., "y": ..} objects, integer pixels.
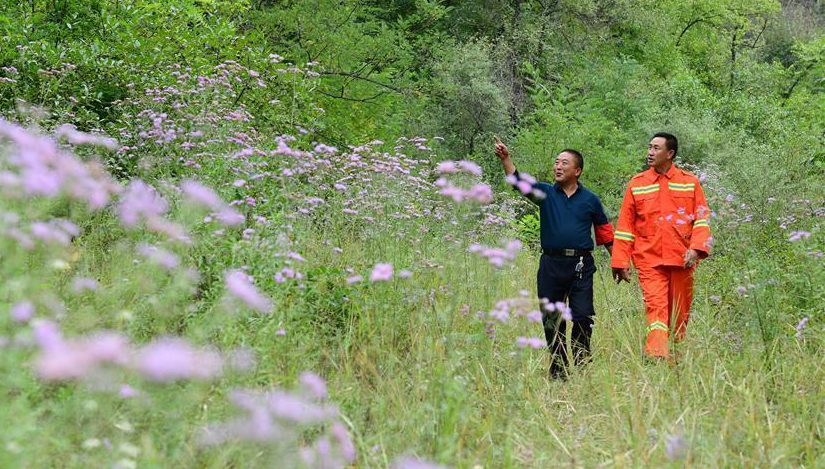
[
  {"x": 675, "y": 186},
  {"x": 657, "y": 325},
  {"x": 644, "y": 189},
  {"x": 701, "y": 222},
  {"x": 624, "y": 235}
]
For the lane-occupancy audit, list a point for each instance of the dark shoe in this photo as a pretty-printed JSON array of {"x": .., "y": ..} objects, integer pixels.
[{"x": 558, "y": 373}]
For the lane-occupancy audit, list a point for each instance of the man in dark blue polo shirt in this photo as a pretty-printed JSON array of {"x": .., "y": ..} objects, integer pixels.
[{"x": 567, "y": 212}]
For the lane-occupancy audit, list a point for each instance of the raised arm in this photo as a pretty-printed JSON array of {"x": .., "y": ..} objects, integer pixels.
[
  {"x": 524, "y": 184},
  {"x": 503, "y": 153}
]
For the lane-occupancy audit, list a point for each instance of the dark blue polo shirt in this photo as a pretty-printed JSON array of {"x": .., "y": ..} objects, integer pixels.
[{"x": 566, "y": 221}]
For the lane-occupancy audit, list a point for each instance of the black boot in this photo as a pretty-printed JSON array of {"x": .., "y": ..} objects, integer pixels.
[
  {"x": 580, "y": 340},
  {"x": 554, "y": 333}
]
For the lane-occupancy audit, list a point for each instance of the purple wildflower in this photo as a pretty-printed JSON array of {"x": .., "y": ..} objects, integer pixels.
[
  {"x": 342, "y": 437},
  {"x": 80, "y": 284},
  {"x": 158, "y": 256},
  {"x": 314, "y": 384},
  {"x": 675, "y": 445},
  {"x": 798, "y": 235},
  {"x": 381, "y": 272},
  {"x": 22, "y": 311},
  {"x": 532, "y": 342},
  {"x": 534, "y": 316},
  {"x": 73, "y": 136},
  {"x": 59, "y": 231},
  {"x": 229, "y": 217},
  {"x": 65, "y": 360},
  {"x": 566, "y": 312},
  {"x": 470, "y": 167},
  {"x": 172, "y": 359},
  {"x": 447, "y": 167},
  {"x": 202, "y": 195},
  {"x": 801, "y": 327},
  {"x": 490, "y": 329},
  {"x": 240, "y": 286},
  {"x": 140, "y": 201},
  {"x": 128, "y": 392},
  {"x": 482, "y": 193},
  {"x": 46, "y": 334},
  {"x": 496, "y": 256}
]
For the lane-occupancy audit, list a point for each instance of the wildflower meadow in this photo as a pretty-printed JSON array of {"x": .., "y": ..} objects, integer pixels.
[{"x": 242, "y": 234}]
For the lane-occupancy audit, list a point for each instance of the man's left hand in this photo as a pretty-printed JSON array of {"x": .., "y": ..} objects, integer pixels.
[{"x": 691, "y": 258}]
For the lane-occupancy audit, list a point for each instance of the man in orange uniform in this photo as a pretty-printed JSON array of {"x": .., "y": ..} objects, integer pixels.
[{"x": 663, "y": 226}]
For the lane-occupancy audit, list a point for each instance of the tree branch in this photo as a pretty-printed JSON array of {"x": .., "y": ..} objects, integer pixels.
[
  {"x": 764, "y": 26},
  {"x": 787, "y": 94},
  {"x": 347, "y": 98},
  {"x": 689, "y": 25}
]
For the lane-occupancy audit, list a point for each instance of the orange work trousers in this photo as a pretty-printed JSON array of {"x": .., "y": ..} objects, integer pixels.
[{"x": 668, "y": 292}]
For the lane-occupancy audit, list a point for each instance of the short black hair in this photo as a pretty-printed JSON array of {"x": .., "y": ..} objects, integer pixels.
[
  {"x": 577, "y": 155},
  {"x": 670, "y": 141}
]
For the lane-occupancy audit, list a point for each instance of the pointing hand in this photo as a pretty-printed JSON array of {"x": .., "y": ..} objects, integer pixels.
[{"x": 501, "y": 150}]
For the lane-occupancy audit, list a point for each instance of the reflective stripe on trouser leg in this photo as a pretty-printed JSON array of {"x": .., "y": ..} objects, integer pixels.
[
  {"x": 680, "y": 296},
  {"x": 655, "y": 281}
]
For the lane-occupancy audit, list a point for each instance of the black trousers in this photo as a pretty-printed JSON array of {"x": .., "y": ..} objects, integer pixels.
[{"x": 557, "y": 280}]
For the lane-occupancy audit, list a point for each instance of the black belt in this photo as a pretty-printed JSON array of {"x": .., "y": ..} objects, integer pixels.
[{"x": 567, "y": 252}]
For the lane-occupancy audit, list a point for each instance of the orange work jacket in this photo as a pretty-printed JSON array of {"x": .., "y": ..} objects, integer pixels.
[{"x": 662, "y": 216}]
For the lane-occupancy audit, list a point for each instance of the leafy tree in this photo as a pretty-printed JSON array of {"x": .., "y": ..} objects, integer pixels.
[{"x": 467, "y": 104}]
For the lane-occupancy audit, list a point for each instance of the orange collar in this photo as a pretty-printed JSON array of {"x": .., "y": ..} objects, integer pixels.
[{"x": 651, "y": 174}]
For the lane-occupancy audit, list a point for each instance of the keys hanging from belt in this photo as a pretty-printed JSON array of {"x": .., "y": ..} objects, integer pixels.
[{"x": 580, "y": 266}]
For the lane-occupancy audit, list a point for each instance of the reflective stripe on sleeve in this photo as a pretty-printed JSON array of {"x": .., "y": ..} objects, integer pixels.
[
  {"x": 700, "y": 223},
  {"x": 624, "y": 235}
]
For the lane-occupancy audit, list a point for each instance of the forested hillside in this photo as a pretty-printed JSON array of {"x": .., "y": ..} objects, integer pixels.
[{"x": 260, "y": 233}]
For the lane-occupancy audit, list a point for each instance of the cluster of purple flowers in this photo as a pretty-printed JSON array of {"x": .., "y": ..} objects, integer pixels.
[
  {"x": 798, "y": 235},
  {"x": 800, "y": 327},
  {"x": 559, "y": 306},
  {"x": 517, "y": 307},
  {"x": 241, "y": 287},
  {"x": 8, "y": 71},
  {"x": 36, "y": 166},
  {"x": 381, "y": 272},
  {"x": 280, "y": 417},
  {"x": 524, "y": 183},
  {"x": 481, "y": 193},
  {"x": 499, "y": 257},
  {"x": 199, "y": 194},
  {"x": 167, "y": 359}
]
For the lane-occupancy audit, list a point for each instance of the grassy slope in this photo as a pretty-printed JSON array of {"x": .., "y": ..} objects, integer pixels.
[{"x": 410, "y": 363}]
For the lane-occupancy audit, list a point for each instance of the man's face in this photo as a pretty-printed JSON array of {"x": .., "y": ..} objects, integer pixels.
[
  {"x": 658, "y": 155},
  {"x": 566, "y": 168}
]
